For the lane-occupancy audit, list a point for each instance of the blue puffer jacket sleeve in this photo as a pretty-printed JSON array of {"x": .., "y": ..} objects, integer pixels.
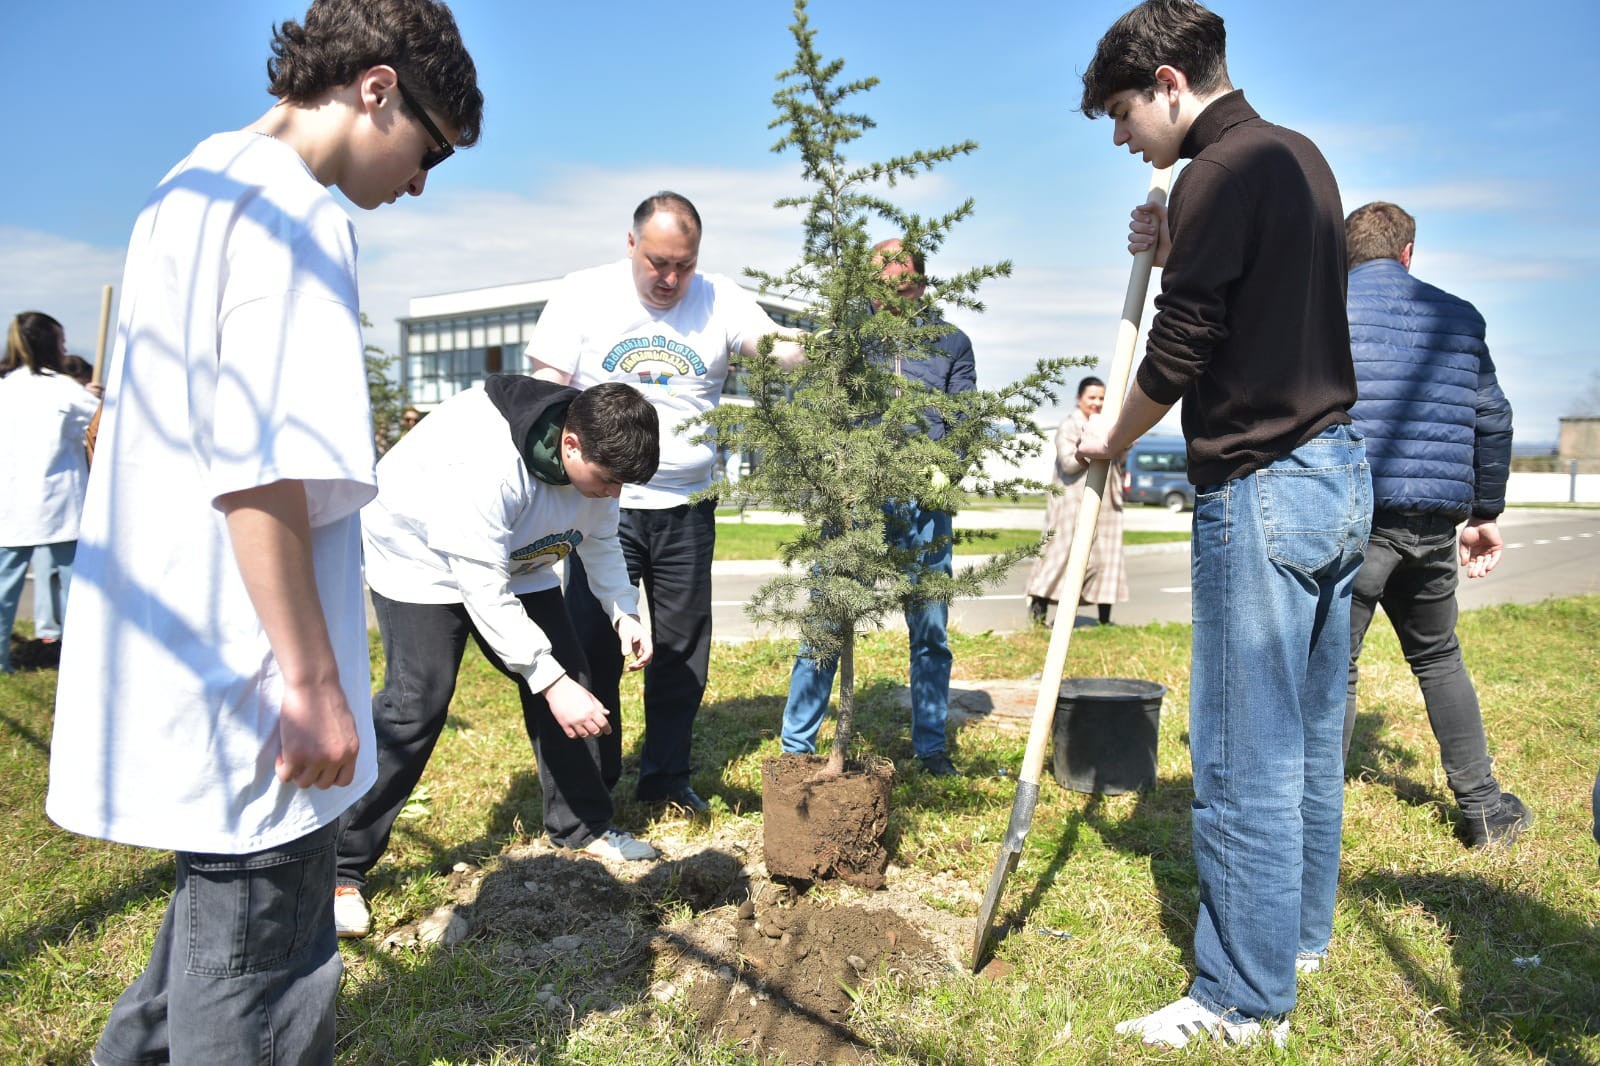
[
  {"x": 1494, "y": 445},
  {"x": 1438, "y": 427}
]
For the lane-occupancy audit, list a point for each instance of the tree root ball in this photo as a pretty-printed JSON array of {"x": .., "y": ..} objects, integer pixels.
[{"x": 816, "y": 827}]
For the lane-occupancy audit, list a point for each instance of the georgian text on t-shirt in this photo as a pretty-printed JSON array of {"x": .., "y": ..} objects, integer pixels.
[{"x": 640, "y": 353}]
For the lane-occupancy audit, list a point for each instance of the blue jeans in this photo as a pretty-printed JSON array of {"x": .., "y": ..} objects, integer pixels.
[
  {"x": 51, "y": 576},
  {"x": 245, "y": 968},
  {"x": 811, "y": 681},
  {"x": 1274, "y": 556},
  {"x": 13, "y": 572}
]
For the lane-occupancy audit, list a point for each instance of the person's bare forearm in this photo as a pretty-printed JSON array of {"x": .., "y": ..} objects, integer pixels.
[
  {"x": 271, "y": 536},
  {"x": 1139, "y": 416},
  {"x": 545, "y": 372},
  {"x": 788, "y": 348},
  {"x": 1104, "y": 440},
  {"x": 270, "y": 532}
]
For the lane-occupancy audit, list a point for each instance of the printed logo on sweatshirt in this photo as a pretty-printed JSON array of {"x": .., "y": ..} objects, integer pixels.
[
  {"x": 546, "y": 551},
  {"x": 654, "y": 360}
]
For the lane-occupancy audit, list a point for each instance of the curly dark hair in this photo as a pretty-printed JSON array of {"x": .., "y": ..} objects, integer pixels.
[
  {"x": 617, "y": 429},
  {"x": 340, "y": 39},
  {"x": 1178, "y": 33}
]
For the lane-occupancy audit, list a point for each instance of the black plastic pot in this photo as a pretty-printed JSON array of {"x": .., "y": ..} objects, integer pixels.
[{"x": 1105, "y": 734}]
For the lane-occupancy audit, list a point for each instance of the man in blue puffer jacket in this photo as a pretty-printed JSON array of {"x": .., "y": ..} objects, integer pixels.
[{"x": 1438, "y": 432}]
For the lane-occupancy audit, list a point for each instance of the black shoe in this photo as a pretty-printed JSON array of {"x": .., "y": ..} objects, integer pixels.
[
  {"x": 939, "y": 765},
  {"x": 687, "y": 798},
  {"x": 1498, "y": 824},
  {"x": 1036, "y": 610}
]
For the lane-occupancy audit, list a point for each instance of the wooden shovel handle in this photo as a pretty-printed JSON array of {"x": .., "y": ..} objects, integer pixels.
[
  {"x": 1055, "y": 660},
  {"x": 99, "y": 374}
]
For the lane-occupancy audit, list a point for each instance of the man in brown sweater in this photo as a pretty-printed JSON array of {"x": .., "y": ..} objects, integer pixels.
[{"x": 1250, "y": 332}]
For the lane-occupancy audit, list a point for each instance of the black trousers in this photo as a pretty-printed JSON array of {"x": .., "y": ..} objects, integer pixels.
[
  {"x": 669, "y": 550},
  {"x": 1411, "y": 569},
  {"x": 422, "y": 646}
]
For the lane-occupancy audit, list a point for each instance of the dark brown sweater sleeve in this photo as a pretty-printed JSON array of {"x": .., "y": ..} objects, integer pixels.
[{"x": 1210, "y": 223}]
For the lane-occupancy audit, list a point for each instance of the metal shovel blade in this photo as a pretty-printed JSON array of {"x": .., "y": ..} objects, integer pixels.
[{"x": 1005, "y": 862}]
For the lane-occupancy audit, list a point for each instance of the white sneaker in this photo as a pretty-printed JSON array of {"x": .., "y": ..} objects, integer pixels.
[
  {"x": 1307, "y": 962},
  {"x": 1177, "y": 1023},
  {"x": 617, "y": 846},
  {"x": 350, "y": 915}
]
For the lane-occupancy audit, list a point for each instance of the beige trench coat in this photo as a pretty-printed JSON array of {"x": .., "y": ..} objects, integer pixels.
[{"x": 1106, "y": 579}]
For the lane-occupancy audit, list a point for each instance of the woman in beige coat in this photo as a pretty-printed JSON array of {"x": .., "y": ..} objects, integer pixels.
[{"x": 1106, "y": 580}]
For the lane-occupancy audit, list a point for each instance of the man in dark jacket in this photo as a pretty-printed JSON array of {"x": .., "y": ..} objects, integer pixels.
[
  {"x": 1438, "y": 432},
  {"x": 948, "y": 367}
]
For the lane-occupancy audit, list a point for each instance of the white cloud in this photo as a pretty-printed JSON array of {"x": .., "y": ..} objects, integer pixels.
[
  {"x": 59, "y": 276},
  {"x": 453, "y": 239},
  {"x": 1508, "y": 196}
]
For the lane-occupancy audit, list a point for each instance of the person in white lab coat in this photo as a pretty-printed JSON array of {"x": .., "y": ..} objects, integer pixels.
[{"x": 43, "y": 469}]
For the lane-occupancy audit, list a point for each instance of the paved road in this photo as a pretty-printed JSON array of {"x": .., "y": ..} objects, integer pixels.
[{"x": 1549, "y": 553}]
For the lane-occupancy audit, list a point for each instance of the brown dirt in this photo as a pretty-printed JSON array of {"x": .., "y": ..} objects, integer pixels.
[
  {"x": 759, "y": 963},
  {"x": 785, "y": 973},
  {"x": 817, "y": 828}
]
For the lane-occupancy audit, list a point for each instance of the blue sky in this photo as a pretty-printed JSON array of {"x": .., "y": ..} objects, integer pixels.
[{"x": 1472, "y": 115}]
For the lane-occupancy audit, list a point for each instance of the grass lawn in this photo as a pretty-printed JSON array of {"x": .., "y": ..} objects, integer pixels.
[
  {"x": 1428, "y": 936},
  {"x": 753, "y": 540}
]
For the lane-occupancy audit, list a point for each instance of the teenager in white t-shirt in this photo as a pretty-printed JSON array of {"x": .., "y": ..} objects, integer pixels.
[
  {"x": 214, "y": 687},
  {"x": 43, "y": 414},
  {"x": 475, "y": 507},
  {"x": 652, "y": 322}
]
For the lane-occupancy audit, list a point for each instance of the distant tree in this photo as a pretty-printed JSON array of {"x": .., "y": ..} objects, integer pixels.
[
  {"x": 1587, "y": 403},
  {"x": 843, "y": 435},
  {"x": 387, "y": 398}
]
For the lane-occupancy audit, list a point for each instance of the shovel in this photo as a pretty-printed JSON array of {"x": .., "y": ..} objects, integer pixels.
[{"x": 1055, "y": 659}]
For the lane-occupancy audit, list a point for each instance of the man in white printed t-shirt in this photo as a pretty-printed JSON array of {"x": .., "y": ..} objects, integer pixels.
[
  {"x": 215, "y": 682},
  {"x": 651, "y": 321},
  {"x": 475, "y": 507}
]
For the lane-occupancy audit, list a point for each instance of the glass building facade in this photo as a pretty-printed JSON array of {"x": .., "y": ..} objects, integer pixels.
[{"x": 455, "y": 340}]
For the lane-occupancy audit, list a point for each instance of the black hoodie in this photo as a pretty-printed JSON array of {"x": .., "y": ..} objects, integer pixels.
[{"x": 535, "y": 411}]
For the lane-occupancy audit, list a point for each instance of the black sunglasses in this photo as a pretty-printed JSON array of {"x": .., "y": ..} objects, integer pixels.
[{"x": 433, "y": 156}]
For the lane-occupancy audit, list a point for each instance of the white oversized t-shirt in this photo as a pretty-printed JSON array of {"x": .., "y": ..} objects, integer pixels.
[
  {"x": 42, "y": 466},
  {"x": 238, "y": 363},
  {"x": 460, "y": 519},
  {"x": 596, "y": 329}
]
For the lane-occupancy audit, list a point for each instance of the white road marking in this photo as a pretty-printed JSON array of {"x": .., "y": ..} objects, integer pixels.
[
  {"x": 1179, "y": 589},
  {"x": 1541, "y": 542},
  {"x": 1563, "y": 538},
  {"x": 1516, "y": 545}
]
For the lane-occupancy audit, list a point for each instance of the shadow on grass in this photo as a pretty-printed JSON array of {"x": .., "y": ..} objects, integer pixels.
[
  {"x": 1547, "y": 1008},
  {"x": 1015, "y": 919},
  {"x": 517, "y": 812},
  {"x": 1158, "y": 829},
  {"x": 83, "y": 920},
  {"x": 726, "y": 732},
  {"x": 1384, "y": 763}
]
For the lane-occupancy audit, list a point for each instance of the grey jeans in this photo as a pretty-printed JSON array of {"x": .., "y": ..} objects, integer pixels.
[
  {"x": 245, "y": 968},
  {"x": 1412, "y": 570}
]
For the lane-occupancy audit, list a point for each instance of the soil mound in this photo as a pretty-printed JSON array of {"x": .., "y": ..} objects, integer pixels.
[{"x": 781, "y": 978}]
